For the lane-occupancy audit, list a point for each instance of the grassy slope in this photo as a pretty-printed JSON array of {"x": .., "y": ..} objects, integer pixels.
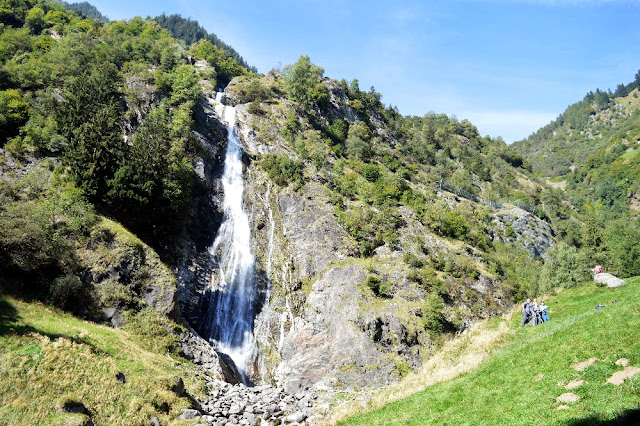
[
  {"x": 47, "y": 356},
  {"x": 520, "y": 383}
]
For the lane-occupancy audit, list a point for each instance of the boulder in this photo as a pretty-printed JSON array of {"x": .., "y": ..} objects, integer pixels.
[{"x": 609, "y": 280}]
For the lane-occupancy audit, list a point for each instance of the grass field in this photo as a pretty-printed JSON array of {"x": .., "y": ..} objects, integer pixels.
[
  {"x": 519, "y": 384},
  {"x": 48, "y": 357}
]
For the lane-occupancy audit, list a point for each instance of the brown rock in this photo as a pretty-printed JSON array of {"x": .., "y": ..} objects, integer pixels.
[
  {"x": 568, "y": 398},
  {"x": 622, "y": 362},
  {"x": 583, "y": 365},
  {"x": 619, "y": 377},
  {"x": 575, "y": 384}
]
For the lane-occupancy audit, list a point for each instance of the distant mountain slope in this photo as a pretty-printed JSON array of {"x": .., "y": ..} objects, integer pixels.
[
  {"x": 86, "y": 9},
  {"x": 191, "y": 32},
  {"x": 581, "y": 129}
]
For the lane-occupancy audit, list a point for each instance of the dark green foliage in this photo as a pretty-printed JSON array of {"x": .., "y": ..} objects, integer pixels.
[
  {"x": 378, "y": 287},
  {"x": 191, "y": 32},
  {"x": 254, "y": 91},
  {"x": 282, "y": 169},
  {"x": 69, "y": 293},
  {"x": 433, "y": 316},
  {"x": 86, "y": 9},
  {"x": 371, "y": 172},
  {"x": 623, "y": 248},
  {"x": 338, "y": 131},
  {"x": 89, "y": 120}
]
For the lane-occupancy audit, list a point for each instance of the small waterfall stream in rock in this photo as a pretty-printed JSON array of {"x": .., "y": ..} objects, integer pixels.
[{"x": 228, "y": 321}]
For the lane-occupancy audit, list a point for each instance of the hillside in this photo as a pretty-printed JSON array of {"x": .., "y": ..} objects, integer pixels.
[
  {"x": 583, "y": 128},
  {"x": 523, "y": 380},
  {"x": 53, "y": 362},
  {"x": 589, "y": 155}
]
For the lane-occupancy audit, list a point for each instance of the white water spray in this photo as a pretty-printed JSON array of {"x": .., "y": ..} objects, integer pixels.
[{"x": 228, "y": 321}]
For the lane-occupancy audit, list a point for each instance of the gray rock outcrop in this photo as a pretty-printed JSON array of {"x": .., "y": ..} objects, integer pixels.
[{"x": 609, "y": 280}]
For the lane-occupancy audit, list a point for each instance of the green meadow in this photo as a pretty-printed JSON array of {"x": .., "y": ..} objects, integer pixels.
[{"x": 520, "y": 383}]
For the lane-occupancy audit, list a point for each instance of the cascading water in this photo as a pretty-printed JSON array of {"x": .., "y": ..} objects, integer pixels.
[{"x": 233, "y": 297}]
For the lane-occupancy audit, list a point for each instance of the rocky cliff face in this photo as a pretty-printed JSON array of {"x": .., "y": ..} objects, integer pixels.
[{"x": 321, "y": 326}]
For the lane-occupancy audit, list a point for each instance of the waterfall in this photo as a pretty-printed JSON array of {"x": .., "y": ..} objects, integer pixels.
[{"x": 228, "y": 320}]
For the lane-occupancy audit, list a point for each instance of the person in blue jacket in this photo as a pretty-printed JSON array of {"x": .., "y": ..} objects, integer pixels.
[{"x": 543, "y": 312}]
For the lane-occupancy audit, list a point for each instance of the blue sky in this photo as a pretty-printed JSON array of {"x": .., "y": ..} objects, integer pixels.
[{"x": 508, "y": 66}]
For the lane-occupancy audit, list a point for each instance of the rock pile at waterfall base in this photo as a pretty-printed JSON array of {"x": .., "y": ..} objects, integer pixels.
[{"x": 240, "y": 405}]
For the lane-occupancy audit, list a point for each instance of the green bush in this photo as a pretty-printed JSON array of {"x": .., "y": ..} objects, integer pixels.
[
  {"x": 282, "y": 169},
  {"x": 378, "y": 287},
  {"x": 433, "y": 316},
  {"x": 68, "y": 293}
]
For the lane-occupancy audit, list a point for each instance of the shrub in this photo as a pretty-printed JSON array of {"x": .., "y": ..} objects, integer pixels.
[
  {"x": 433, "y": 316},
  {"x": 379, "y": 288},
  {"x": 68, "y": 293},
  {"x": 282, "y": 169},
  {"x": 454, "y": 225}
]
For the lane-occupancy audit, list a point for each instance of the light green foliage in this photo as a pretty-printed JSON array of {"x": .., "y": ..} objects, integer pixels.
[
  {"x": 226, "y": 67},
  {"x": 310, "y": 145},
  {"x": 14, "y": 112},
  {"x": 40, "y": 220},
  {"x": 358, "y": 143},
  {"x": 185, "y": 86},
  {"x": 81, "y": 361},
  {"x": 563, "y": 268},
  {"x": 156, "y": 332},
  {"x": 35, "y": 20},
  {"x": 303, "y": 82}
]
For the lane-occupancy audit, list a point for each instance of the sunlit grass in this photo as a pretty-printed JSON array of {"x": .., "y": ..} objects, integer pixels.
[
  {"x": 47, "y": 356},
  {"x": 520, "y": 382}
]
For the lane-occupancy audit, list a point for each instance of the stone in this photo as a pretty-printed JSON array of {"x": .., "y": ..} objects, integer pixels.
[
  {"x": 623, "y": 362},
  {"x": 575, "y": 384},
  {"x": 120, "y": 377},
  {"x": 71, "y": 406},
  {"x": 620, "y": 376},
  {"x": 189, "y": 413},
  {"x": 583, "y": 365},
  {"x": 155, "y": 421},
  {"x": 609, "y": 280},
  {"x": 568, "y": 398},
  {"x": 562, "y": 407},
  {"x": 236, "y": 409},
  {"x": 296, "y": 417}
]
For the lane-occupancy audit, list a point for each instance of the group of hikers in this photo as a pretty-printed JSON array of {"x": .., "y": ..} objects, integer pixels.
[{"x": 535, "y": 312}]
